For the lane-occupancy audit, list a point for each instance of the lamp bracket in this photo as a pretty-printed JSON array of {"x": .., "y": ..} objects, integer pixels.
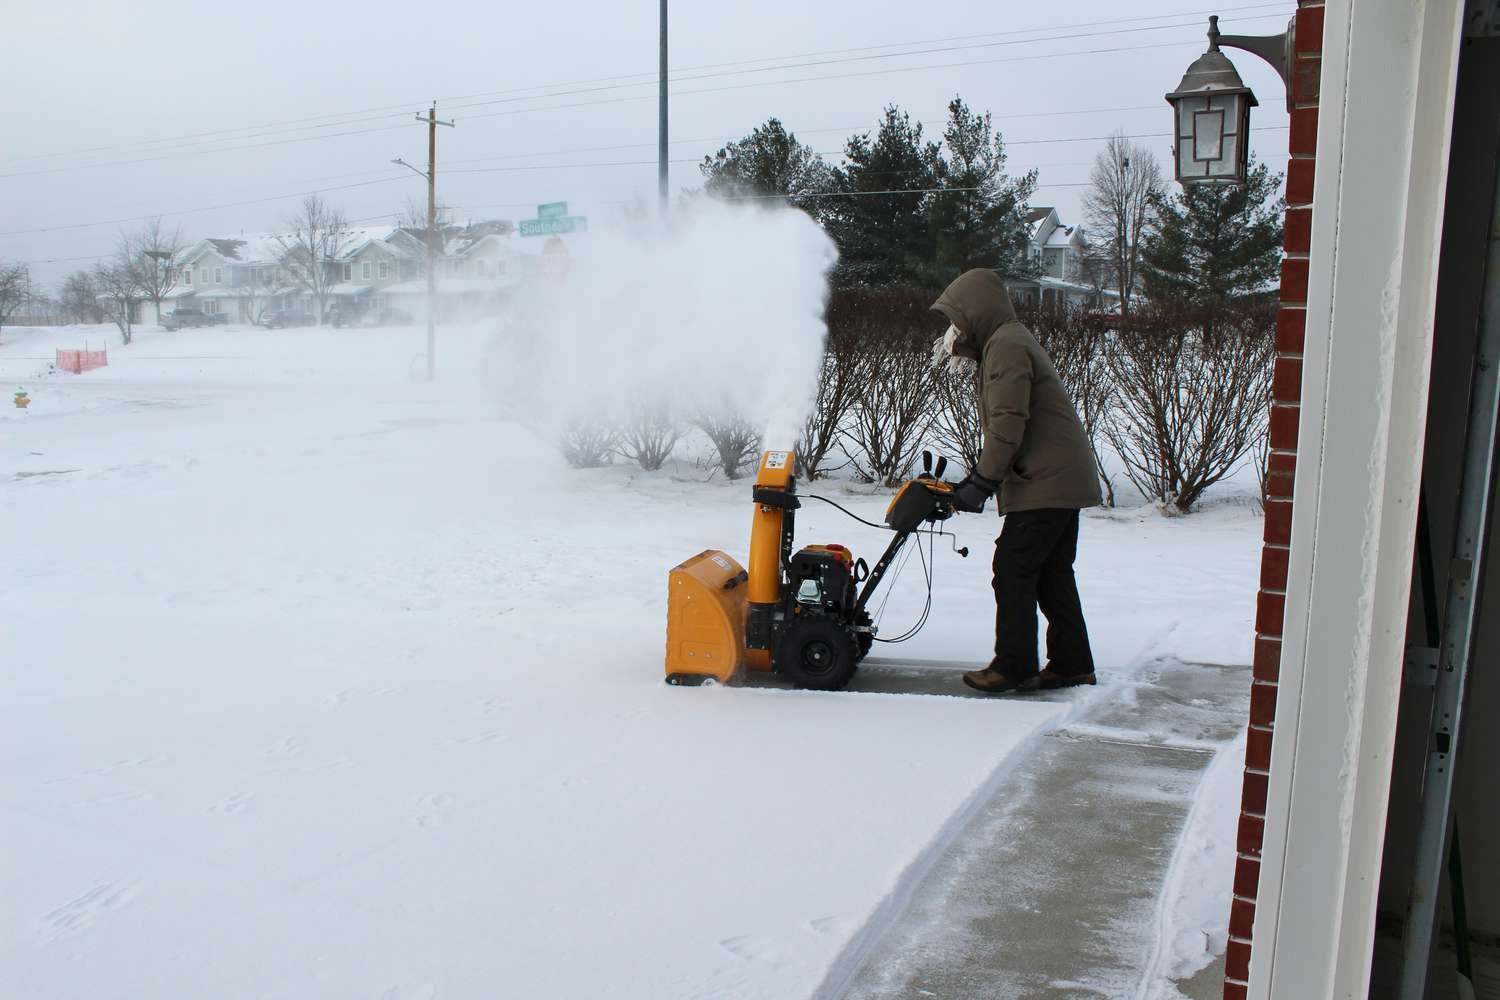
[{"x": 1274, "y": 49}]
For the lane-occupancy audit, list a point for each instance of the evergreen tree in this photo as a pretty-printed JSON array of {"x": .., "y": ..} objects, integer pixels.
[
  {"x": 881, "y": 221},
  {"x": 1212, "y": 246},
  {"x": 767, "y": 162},
  {"x": 978, "y": 219}
]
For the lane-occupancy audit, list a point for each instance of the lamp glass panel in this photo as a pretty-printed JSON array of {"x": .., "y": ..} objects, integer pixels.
[{"x": 1208, "y": 136}]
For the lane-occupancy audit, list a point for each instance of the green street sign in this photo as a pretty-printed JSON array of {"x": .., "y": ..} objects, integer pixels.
[
  {"x": 554, "y": 226},
  {"x": 552, "y": 210}
]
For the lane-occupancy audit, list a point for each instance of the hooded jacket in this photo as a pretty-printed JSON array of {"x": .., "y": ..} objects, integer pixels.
[{"x": 1034, "y": 444}]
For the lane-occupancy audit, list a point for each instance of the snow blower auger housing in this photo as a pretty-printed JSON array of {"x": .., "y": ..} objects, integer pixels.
[{"x": 801, "y": 614}]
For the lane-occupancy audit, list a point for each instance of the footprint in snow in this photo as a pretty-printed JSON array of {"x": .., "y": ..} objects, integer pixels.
[
  {"x": 825, "y": 925},
  {"x": 289, "y": 747},
  {"x": 424, "y": 991},
  {"x": 429, "y": 810},
  {"x": 488, "y": 736},
  {"x": 756, "y": 948},
  {"x": 231, "y": 806},
  {"x": 80, "y": 913}
]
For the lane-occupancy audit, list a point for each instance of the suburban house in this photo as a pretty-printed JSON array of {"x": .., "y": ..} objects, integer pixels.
[
  {"x": 372, "y": 268},
  {"x": 478, "y": 269},
  {"x": 1059, "y": 252}
]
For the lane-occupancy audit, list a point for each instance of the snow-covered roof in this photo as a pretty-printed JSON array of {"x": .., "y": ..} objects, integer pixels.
[
  {"x": 350, "y": 288},
  {"x": 251, "y": 248},
  {"x": 1035, "y": 215},
  {"x": 1062, "y": 236}
]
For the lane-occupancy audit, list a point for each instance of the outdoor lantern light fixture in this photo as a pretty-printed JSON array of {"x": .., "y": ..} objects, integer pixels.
[{"x": 1211, "y": 109}]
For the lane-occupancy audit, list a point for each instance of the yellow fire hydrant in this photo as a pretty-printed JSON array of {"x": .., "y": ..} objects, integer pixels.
[{"x": 22, "y": 400}]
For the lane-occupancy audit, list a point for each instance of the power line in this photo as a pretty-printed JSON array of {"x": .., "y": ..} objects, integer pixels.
[
  {"x": 194, "y": 211},
  {"x": 339, "y": 119},
  {"x": 544, "y": 166},
  {"x": 838, "y": 76},
  {"x": 850, "y": 59},
  {"x": 638, "y": 97}
]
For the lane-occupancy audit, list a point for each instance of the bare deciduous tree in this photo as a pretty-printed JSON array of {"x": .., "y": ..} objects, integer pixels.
[
  {"x": 255, "y": 293},
  {"x": 118, "y": 283},
  {"x": 319, "y": 236},
  {"x": 648, "y": 434},
  {"x": 152, "y": 252},
  {"x": 735, "y": 439},
  {"x": 79, "y": 298},
  {"x": 412, "y": 216},
  {"x": 1191, "y": 403},
  {"x": 1117, "y": 208},
  {"x": 15, "y": 285}
]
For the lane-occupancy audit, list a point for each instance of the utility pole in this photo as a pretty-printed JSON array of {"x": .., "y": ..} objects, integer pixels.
[
  {"x": 661, "y": 137},
  {"x": 433, "y": 248}
]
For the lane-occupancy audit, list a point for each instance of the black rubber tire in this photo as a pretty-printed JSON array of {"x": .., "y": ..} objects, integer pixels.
[
  {"x": 864, "y": 641},
  {"x": 819, "y": 655}
]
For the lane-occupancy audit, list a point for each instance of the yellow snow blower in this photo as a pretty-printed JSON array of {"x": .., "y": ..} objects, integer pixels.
[{"x": 804, "y": 614}]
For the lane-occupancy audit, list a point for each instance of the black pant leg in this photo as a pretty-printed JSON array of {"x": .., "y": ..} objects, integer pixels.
[
  {"x": 1057, "y": 592},
  {"x": 1025, "y": 543}
]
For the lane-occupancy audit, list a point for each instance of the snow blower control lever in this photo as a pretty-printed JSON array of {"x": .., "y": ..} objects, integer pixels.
[{"x": 802, "y": 614}]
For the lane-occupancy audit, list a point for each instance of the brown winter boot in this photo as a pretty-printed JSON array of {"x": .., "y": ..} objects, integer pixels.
[
  {"x": 992, "y": 681},
  {"x": 1051, "y": 679}
]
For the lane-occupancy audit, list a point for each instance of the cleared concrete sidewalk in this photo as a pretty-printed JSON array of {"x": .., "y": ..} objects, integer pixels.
[{"x": 1052, "y": 890}]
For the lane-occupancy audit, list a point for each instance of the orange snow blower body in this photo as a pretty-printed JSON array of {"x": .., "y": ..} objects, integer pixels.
[{"x": 799, "y": 614}]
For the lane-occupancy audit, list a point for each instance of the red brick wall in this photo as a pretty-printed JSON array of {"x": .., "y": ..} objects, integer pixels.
[{"x": 1287, "y": 395}]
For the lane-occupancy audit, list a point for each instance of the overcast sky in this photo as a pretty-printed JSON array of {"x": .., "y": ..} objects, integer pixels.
[{"x": 220, "y": 116}]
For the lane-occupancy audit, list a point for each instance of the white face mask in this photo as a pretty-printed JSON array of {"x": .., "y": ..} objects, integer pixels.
[{"x": 943, "y": 356}]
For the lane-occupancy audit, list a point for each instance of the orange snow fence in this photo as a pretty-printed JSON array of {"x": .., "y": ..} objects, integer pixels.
[{"x": 79, "y": 362}]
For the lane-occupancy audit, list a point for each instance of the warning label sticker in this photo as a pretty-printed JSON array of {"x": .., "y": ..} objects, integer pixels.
[
  {"x": 723, "y": 563},
  {"x": 777, "y": 459}
]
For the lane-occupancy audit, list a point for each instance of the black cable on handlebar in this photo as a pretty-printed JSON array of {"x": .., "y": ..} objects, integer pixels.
[{"x": 846, "y": 510}]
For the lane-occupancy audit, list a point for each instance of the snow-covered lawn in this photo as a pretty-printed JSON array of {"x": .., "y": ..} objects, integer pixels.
[{"x": 322, "y": 681}]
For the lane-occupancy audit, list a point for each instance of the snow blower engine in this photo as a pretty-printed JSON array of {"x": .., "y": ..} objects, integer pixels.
[{"x": 801, "y": 614}]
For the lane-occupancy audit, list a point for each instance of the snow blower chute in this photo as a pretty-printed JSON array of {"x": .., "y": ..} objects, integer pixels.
[{"x": 803, "y": 614}]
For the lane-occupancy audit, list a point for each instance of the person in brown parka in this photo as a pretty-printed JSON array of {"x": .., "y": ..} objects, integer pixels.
[{"x": 1037, "y": 462}]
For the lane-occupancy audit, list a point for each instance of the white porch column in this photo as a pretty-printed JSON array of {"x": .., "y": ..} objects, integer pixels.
[{"x": 1387, "y": 92}]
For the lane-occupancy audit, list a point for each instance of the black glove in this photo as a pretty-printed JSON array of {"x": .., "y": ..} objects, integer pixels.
[{"x": 970, "y": 495}]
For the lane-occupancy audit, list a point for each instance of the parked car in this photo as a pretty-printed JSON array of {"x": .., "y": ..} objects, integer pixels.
[
  {"x": 389, "y": 316},
  {"x": 277, "y": 319},
  {"x": 185, "y": 316}
]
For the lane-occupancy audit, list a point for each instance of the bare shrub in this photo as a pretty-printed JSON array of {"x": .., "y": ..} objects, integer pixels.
[
  {"x": 586, "y": 444},
  {"x": 1077, "y": 341},
  {"x": 895, "y": 379},
  {"x": 1192, "y": 401},
  {"x": 837, "y": 392},
  {"x": 1262, "y": 449},
  {"x": 735, "y": 439},
  {"x": 648, "y": 434},
  {"x": 957, "y": 430}
]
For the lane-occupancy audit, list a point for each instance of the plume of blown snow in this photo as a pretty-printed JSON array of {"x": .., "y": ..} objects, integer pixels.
[{"x": 716, "y": 312}]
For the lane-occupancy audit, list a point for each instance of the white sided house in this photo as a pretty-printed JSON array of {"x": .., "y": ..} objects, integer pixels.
[
  {"x": 373, "y": 262},
  {"x": 479, "y": 269},
  {"x": 370, "y": 269},
  {"x": 1059, "y": 252}
]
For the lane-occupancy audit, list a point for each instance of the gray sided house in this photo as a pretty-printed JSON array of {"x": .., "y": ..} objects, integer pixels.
[
  {"x": 371, "y": 264},
  {"x": 1059, "y": 253}
]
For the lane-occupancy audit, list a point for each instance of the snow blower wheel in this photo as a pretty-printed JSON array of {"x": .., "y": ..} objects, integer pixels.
[{"x": 820, "y": 655}]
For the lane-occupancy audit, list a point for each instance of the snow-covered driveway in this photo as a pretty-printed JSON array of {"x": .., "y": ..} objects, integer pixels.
[{"x": 316, "y": 683}]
